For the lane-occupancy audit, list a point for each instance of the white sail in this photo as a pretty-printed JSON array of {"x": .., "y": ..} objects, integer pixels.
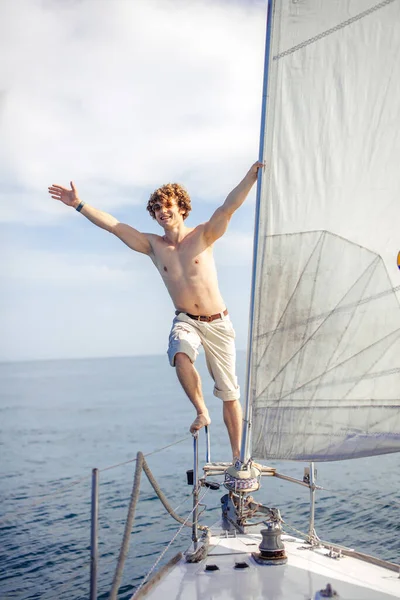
[{"x": 324, "y": 376}]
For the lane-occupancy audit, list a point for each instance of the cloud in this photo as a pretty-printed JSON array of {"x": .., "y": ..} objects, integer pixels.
[{"x": 122, "y": 96}]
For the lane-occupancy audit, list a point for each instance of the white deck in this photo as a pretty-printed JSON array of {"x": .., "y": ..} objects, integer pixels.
[{"x": 306, "y": 572}]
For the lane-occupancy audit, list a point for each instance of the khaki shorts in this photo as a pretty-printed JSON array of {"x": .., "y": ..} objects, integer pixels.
[{"x": 218, "y": 341}]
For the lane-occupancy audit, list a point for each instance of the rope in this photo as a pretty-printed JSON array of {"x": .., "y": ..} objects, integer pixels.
[
  {"x": 159, "y": 575},
  {"x": 162, "y": 554},
  {"x": 141, "y": 464},
  {"x": 128, "y": 527},
  {"x": 148, "y": 454},
  {"x": 114, "y": 529},
  {"x": 162, "y": 497},
  {"x": 301, "y": 533},
  {"x": 342, "y": 25},
  {"x": 11, "y": 516}
]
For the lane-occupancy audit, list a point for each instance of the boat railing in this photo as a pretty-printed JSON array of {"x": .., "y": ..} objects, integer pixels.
[
  {"x": 192, "y": 520},
  {"x": 43, "y": 501}
]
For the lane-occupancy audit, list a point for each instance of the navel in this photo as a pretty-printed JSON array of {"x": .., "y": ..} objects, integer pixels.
[
  {"x": 165, "y": 269},
  {"x": 196, "y": 305}
]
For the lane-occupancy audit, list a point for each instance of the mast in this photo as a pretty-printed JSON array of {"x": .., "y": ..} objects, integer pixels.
[
  {"x": 245, "y": 449},
  {"x": 323, "y": 364}
]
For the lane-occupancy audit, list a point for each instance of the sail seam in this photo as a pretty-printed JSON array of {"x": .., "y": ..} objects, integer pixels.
[
  {"x": 338, "y": 27},
  {"x": 319, "y": 316},
  {"x": 306, "y": 332},
  {"x": 306, "y": 384},
  {"x": 371, "y": 366},
  {"x": 285, "y": 309},
  {"x": 334, "y": 353},
  {"x": 372, "y": 268},
  {"x": 300, "y": 348}
]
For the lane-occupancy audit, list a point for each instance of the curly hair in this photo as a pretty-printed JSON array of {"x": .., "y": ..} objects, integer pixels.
[{"x": 168, "y": 192}]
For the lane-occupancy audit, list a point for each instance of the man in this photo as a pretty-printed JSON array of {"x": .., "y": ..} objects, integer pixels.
[{"x": 183, "y": 257}]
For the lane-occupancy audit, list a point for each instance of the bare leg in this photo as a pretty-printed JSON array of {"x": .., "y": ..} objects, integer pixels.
[
  {"x": 233, "y": 421},
  {"x": 191, "y": 383}
]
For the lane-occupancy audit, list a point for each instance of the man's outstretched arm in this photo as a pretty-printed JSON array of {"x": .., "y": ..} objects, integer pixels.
[
  {"x": 218, "y": 223},
  {"x": 131, "y": 237}
]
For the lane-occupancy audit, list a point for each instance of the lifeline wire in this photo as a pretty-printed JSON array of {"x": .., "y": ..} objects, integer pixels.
[
  {"x": 6, "y": 518},
  {"x": 145, "y": 579}
]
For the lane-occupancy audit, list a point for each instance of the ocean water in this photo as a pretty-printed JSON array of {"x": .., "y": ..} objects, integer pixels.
[{"x": 60, "y": 419}]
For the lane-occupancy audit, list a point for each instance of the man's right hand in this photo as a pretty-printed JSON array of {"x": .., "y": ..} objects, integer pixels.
[{"x": 68, "y": 197}]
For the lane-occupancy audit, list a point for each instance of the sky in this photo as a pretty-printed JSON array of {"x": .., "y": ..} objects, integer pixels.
[{"x": 120, "y": 97}]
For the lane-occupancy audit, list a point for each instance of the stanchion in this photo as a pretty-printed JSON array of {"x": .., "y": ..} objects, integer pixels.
[
  {"x": 94, "y": 534},
  {"x": 195, "y": 488},
  {"x": 208, "y": 444}
]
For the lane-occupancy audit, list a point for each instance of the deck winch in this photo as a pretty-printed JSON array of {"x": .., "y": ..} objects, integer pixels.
[{"x": 272, "y": 549}]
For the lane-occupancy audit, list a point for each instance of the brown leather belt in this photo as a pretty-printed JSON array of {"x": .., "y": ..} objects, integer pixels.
[{"x": 207, "y": 319}]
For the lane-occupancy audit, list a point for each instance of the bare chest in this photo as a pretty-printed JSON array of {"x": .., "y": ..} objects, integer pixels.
[{"x": 183, "y": 261}]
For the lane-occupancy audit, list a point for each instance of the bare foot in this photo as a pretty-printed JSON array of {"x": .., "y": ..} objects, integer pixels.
[{"x": 200, "y": 421}]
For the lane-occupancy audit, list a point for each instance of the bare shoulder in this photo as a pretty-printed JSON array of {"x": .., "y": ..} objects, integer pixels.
[
  {"x": 197, "y": 240},
  {"x": 154, "y": 239},
  {"x": 196, "y": 236}
]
